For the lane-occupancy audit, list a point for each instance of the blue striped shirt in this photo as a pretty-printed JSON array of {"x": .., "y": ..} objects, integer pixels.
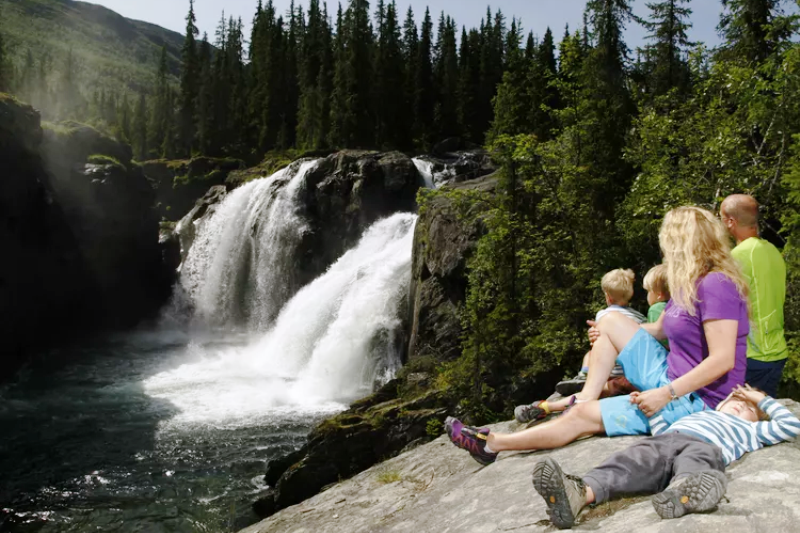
[{"x": 736, "y": 436}]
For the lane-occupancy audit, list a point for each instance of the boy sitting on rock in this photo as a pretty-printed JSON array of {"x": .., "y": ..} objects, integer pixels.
[
  {"x": 617, "y": 286},
  {"x": 683, "y": 464}
]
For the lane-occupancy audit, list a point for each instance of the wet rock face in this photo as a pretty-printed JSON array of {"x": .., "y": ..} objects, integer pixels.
[
  {"x": 345, "y": 194},
  {"x": 180, "y": 184},
  {"x": 83, "y": 238},
  {"x": 443, "y": 244},
  {"x": 41, "y": 272}
]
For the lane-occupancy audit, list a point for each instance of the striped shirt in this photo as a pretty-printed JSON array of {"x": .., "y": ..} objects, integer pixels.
[{"x": 736, "y": 436}]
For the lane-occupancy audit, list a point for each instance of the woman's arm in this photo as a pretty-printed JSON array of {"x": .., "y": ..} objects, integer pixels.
[{"x": 721, "y": 338}]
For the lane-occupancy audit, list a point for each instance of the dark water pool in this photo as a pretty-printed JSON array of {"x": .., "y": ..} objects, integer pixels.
[{"x": 126, "y": 434}]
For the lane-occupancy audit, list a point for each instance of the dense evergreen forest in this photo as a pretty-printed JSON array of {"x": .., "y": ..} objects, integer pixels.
[{"x": 596, "y": 141}]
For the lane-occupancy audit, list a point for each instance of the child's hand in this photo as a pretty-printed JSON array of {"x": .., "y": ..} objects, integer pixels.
[
  {"x": 747, "y": 393},
  {"x": 594, "y": 333}
]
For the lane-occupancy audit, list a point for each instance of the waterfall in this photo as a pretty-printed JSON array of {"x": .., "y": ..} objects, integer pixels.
[
  {"x": 425, "y": 168},
  {"x": 332, "y": 342},
  {"x": 238, "y": 271}
]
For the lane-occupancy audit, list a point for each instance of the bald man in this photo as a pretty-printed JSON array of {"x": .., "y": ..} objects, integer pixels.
[{"x": 765, "y": 272}]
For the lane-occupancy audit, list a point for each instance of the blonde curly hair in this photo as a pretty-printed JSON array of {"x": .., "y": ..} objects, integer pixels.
[{"x": 694, "y": 243}]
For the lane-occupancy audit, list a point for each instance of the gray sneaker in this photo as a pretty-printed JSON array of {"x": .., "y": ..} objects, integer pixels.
[
  {"x": 530, "y": 412},
  {"x": 565, "y": 495},
  {"x": 694, "y": 493}
]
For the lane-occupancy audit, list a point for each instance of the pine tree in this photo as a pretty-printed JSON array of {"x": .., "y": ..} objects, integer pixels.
[
  {"x": 511, "y": 105},
  {"x": 424, "y": 91},
  {"x": 668, "y": 67},
  {"x": 389, "y": 81},
  {"x": 351, "y": 114},
  {"x": 190, "y": 82},
  {"x": 339, "y": 94},
  {"x": 311, "y": 125},
  {"x": 469, "y": 85},
  {"x": 446, "y": 75},
  {"x": 5, "y": 79},
  {"x": 745, "y": 25},
  {"x": 161, "y": 115},
  {"x": 543, "y": 94},
  {"x": 410, "y": 59},
  {"x": 71, "y": 103},
  {"x": 124, "y": 131},
  {"x": 139, "y": 132},
  {"x": 205, "y": 108}
]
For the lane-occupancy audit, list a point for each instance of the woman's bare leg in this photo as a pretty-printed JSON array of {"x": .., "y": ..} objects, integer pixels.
[{"x": 582, "y": 420}]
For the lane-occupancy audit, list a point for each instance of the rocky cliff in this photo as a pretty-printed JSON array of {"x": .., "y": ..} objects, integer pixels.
[
  {"x": 81, "y": 238},
  {"x": 409, "y": 410},
  {"x": 437, "y": 487}
]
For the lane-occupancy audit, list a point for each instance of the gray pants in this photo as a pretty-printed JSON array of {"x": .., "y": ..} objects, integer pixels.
[{"x": 648, "y": 466}]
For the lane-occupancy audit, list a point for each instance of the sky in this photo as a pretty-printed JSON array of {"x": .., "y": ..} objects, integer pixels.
[{"x": 536, "y": 15}]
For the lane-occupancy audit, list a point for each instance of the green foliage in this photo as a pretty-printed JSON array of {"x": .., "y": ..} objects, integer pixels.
[
  {"x": 434, "y": 428},
  {"x": 99, "y": 159}
]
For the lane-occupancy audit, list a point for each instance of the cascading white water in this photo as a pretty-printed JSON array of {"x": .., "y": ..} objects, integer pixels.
[
  {"x": 330, "y": 344},
  {"x": 238, "y": 270},
  {"x": 425, "y": 168}
]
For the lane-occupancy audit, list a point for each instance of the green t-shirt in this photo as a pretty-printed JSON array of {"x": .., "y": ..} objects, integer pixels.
[
  {"x": 653, "y": 315},
  {"x": 655, "y": 311},
  {"x": 765, "y": 273}
]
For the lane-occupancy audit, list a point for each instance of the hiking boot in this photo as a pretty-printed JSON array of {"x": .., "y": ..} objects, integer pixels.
[
  {"x": 530, "y": 412},
  {"x": 565, "y": 495},
  {"x": 471, "y": 439},
  {"x": 571, "y": 386},
  {"x": 694, "y": 493}
]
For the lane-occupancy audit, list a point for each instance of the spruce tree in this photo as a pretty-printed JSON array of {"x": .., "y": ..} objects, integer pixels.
[
  {"x": 160, "y": 113},
  {"x": 139, "y": 132},
  {"x": 511, "y": 105},
  {"x": 667, "y": 65},
  {"x": 446, "y": 75},
  {"x": 124, "y": 131},
  {"x": 190, "y": 86},
  {"x": 469, "y": 85},
  {"x": 310, "y": 124},
  {"x": 389, "y": 81},
  {"x": 424, "y": 92},
  {"x": 745, "y": 26},
  {"x": 5, "y": 81},
  {"x": 543, "y": 94},
  {"x": 410, "y": 59},
  {"x": 205, "y": 108}
]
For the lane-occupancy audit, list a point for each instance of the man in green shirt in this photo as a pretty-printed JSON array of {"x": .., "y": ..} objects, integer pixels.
[{"x": 765, "y": 272}]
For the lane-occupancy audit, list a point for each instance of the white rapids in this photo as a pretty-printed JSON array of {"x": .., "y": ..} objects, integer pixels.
[{"x": 331, "y": 343}]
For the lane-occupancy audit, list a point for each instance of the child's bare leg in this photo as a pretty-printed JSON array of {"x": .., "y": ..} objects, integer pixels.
[{"x": 616, "y": 331}]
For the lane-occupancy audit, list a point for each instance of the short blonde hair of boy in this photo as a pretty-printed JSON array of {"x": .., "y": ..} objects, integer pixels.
[
  {"x": 618, "y": 284},
  {"x": 656, "y": 280}
]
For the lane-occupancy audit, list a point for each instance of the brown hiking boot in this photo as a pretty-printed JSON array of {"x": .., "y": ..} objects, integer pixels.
[{"x": 565, "y": 495}]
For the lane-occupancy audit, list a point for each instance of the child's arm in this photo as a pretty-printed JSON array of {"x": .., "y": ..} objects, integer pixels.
[
  {"x": 656, "y": 329},
  {"x": 783, "y": 424}
]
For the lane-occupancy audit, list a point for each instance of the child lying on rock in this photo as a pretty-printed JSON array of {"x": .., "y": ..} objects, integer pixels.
[{"x": 683, "y": 465}]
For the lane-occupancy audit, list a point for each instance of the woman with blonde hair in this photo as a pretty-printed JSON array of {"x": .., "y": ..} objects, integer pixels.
[{"x": 706, "y": 323}]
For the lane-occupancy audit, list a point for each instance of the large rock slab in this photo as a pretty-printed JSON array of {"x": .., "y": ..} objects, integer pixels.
[{"x": 437, "y": 487}]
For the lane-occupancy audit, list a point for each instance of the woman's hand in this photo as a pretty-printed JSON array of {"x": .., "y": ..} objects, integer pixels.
[{"x": 652, "y": 401}]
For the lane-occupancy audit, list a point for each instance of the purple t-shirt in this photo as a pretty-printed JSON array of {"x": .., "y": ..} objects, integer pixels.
[{"x": 718, "y": 299}]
